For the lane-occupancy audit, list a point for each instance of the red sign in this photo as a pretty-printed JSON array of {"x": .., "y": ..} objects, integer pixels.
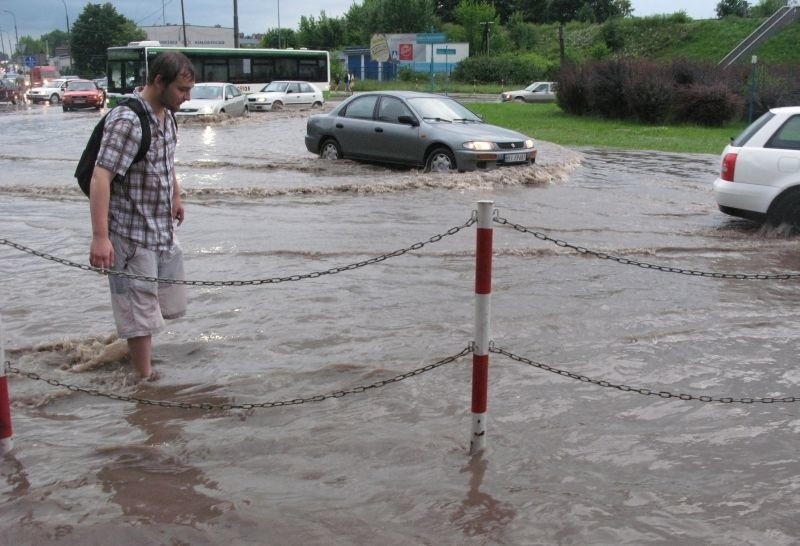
[{"x": 406, "y": 52}]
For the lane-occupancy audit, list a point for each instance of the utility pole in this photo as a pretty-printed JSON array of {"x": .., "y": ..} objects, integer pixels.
[
  {"x": 235, "y": 24},
  {"x": 183, "y": 24},
  {"x": 485, "y": 25},
  {"x": 16, "y": 35},
  {"x": 69, "y": 41},
  {"x": 279, "y": 24}
]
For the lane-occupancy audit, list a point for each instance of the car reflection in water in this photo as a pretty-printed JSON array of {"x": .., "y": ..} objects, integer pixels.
[{"x": 415, "y": 129}]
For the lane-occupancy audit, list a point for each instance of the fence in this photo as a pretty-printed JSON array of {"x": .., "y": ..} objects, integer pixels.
[{"x": 481, "y": 347}]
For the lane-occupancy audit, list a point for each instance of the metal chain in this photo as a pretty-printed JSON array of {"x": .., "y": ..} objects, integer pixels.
[
  {"x": 224, "y": 407},
  {"x": 645, "y": 265},
  {"x": 252, "y": 282},
  {"x": 646, "y": 392}
]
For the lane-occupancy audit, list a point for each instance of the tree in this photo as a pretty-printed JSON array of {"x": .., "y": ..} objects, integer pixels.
[
  {"x": 476, "y": 17},
  {"x": 97, "y": 28},
  {"x": 765, "y": 8},
  {"x": 739, "y": 8},
  {"x": 563, "y": 11}
]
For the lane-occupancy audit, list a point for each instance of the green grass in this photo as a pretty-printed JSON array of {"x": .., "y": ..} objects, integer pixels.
[{"x": 547, "y": 122}]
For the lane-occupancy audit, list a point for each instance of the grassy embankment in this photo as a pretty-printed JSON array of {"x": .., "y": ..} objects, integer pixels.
[{"x": 657, "y": 38}]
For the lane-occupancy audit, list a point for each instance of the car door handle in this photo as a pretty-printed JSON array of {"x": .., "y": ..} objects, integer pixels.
[
  {"x": 339, "y": 126},
  {"x": 378, "y": 129}
]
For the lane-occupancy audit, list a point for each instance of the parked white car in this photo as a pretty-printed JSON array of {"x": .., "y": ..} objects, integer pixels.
[
  {"x": 285, "y": 94},
  {"x": 52, "y": 93},
  {"x": 760, "y": 171},
  {"x": 212, "y": 98}
]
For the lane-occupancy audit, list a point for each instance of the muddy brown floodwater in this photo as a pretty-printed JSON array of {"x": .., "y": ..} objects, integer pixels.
[{"x": 567, "y": 461}]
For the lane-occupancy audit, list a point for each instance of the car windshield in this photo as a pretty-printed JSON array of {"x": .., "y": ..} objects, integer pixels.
[
  {"x": 275, "y": 87},
  {"x": 206, "y": 92},
  {"x": 441, "y": 109},
  {"x": 81, "y": 86}
]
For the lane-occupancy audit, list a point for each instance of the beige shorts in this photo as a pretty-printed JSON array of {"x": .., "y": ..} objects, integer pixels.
[{"x": 140, "y": 307}]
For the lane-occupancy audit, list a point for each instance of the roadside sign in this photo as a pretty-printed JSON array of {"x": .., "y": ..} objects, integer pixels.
[
  {"x": 445, "y": 51},
  {"x": 30, "y": 61},
  {"x": 432, "y": 38}
]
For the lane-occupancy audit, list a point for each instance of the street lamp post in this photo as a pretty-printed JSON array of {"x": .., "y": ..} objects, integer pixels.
[
  {"x": 69, "y": 41},
  {"x": 16, "y": 36},
  {"x": 279, "y": 24}
]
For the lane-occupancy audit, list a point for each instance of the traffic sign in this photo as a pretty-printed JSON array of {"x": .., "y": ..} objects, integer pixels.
[
  {"x": 445, "y": 51},
  {"x": 432, "y": 38},
  {"x": 30, "y": 61}
]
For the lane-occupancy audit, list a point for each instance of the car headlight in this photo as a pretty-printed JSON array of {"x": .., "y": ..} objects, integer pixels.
[
  {"x": 205, "y": 110},
  {"x": 529, "y": 143},
  {"x": 261, "y": 99},
  {"x": 480, "y": 146}
]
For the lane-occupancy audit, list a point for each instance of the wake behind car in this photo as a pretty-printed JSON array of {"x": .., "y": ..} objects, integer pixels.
[
  {"x": 51, "y": 92},
  {"x": 82, "y": 94},
  {"x": 415, "y": 129},
  {"x": 211, "y": 98},
  {"x": 760, "y": 170},
  {"x": 535, "y": 92},
  {"x": 285, "y": 94}
]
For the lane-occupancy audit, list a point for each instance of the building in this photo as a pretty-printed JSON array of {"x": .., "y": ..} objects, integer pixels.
[
  {"x": 196, "y": 36},
  {"x": 390, "y": 52}
]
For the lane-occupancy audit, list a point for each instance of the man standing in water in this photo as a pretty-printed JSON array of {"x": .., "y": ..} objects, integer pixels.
[{"x": 133, "y": 214}]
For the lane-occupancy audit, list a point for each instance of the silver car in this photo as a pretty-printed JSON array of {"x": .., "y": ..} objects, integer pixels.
[
  {"x": 535, "y": 92},
  {"x": 416, "y": 129},
  {"x": 213, "y": 98}
]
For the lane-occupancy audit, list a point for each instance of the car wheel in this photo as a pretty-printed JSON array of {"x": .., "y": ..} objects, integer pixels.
[
  {"x": 440, "y": 160},
  {"x": 54, "y": 98},
  {"x": 317, "y": 104},
  {"x": 786, "y": 210},
  {"x": 277, "y": 106},
  {"x": 64, "y": 108},
  {"x": 519, "y": 99},
  {"x": 330, "y": 150}
]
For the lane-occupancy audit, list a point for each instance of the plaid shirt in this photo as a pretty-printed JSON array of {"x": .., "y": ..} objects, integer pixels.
[{"x": 141, "y": 203}]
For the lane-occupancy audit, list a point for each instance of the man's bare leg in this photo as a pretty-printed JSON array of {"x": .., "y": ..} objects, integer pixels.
[{"x": 141, "y": 352}]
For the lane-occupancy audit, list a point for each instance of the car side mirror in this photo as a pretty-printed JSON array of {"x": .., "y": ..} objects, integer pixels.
[{"x": 408, "y": 120}]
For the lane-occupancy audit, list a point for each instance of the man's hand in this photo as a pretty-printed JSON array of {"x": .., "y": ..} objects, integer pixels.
[
  {"x": 177, "y": 210},
  {"x": 101, "y": 253}
]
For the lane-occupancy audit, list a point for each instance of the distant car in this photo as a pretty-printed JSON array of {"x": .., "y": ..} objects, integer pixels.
[
  {"x": 760, "y": 170},
  {"x": 102, "y": 83},
  {"x": 535, "y": 92},
  {"x": 416, "y": 129},
  {"x": 82, "y": 94},
  {"x": 51, "y": 93},
  {"x": 214, "y": 98},
  {"x": 285, "y": 94},
  {"x": 10, "y": 91}
]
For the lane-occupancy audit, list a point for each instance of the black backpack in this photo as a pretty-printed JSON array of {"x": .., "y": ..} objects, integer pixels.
[{"x": 89, "y": 156}]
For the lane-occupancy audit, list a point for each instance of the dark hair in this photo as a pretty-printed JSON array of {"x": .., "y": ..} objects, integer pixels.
[{"x": 169, "y": 65}]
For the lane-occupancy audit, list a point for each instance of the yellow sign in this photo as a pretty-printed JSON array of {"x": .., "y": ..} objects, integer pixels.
[{"x": 379, "y": 48}]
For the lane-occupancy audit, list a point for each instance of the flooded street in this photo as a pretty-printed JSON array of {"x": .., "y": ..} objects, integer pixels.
[{"x": 567, "y": 461}]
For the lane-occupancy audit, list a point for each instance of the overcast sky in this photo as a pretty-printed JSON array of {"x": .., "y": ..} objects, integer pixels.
[{"x": 37, "y": 17}]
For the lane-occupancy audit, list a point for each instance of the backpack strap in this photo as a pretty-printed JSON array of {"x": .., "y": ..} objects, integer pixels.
[{"x": 144, "y": 120}]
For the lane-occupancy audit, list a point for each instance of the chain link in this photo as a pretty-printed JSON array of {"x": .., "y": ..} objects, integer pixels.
[
  {"x": 223, "y": 407},
  {"x": 646, "y": 392},
  {"x": 251, "y": 282},
  {"x": 645, "y": 265}
]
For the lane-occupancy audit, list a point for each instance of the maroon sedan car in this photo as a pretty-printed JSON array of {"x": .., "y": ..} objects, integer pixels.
[
  {"x": 82, "y": 94},
  {"x": 10, "y": 91}
]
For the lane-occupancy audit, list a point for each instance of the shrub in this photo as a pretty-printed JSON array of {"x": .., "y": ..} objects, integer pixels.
[
  {"x": 607, "y": 88},
  {"x": 649, "y": 92},
  {"x": 709, "y": 105},
  {"x": 572, "y": 96}
]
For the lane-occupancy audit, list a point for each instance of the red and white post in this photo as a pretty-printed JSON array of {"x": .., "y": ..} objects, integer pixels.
[
  {"x": 480, "y": 352},
  {"x": 6, "y": 444}
]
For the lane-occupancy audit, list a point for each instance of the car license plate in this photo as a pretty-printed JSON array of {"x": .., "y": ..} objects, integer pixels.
[
  {"x": 516, "y": 158},
  {"x": 80, "y": 101}
]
